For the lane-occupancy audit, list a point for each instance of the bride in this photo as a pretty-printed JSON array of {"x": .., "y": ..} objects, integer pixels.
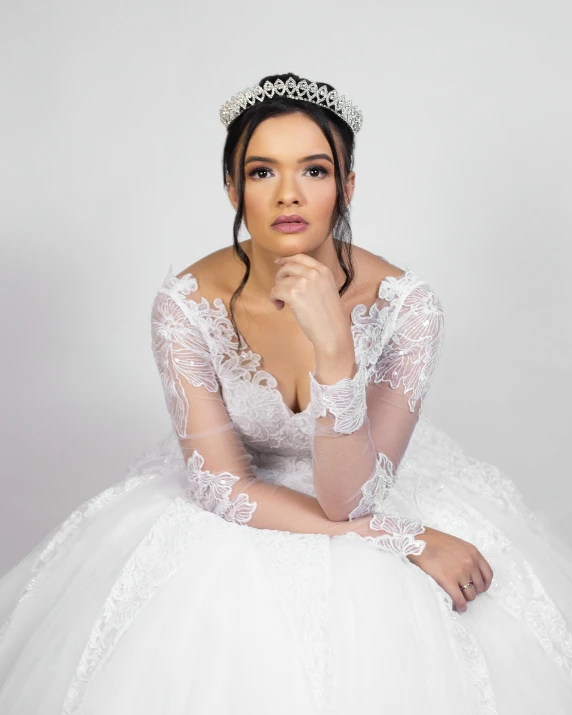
[{"x": 304, "y": 539}]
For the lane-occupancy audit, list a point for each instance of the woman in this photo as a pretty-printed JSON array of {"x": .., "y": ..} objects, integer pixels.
[{"x": 305, "y": 540}]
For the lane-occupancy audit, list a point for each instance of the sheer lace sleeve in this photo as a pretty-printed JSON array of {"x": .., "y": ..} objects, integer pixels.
[{"x": 362, "y": 428}]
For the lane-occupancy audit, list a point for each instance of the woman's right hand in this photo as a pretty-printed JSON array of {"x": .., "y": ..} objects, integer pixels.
[{"x": 453, "y": 562}]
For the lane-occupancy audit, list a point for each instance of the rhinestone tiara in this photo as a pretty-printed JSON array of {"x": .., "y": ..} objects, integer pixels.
[{"x": 309, "y": 92}]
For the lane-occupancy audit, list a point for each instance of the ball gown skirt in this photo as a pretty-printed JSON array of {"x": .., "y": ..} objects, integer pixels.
[{"x": 143, "y": 603}]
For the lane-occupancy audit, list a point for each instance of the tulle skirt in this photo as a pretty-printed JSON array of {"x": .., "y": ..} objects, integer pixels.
[{"x": 141, "y": 602}]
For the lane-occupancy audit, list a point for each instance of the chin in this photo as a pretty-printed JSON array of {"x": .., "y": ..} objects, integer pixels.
[{"x": 291, "y": 243}]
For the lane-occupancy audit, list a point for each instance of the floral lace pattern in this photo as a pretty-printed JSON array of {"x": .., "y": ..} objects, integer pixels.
[
  {"x": 304, "y": 559},
  {"x": 166, "y": 548},
  {"x": 471, "y": 656},
  {"x": 429, "y": 490},
  {"x": 408, "y": 333},
  {"x": 151, "y": 465},
  {"x": 344, "y": 401},
  {"x": 400, "y": 538},
  {"x": 212, "y": 492},
  {"x": 375, "y": 489},
  {"x": 179, "y": 356}
]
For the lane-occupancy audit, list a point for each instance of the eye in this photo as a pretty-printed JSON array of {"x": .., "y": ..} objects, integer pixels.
[
  {"x": 324, "y": 171},
  {"x": 258, "y": 170}
]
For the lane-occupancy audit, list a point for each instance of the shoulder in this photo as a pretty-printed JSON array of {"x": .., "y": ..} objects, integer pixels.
[
  {"x": 179, "y": 300},
  {"x": 418, "y": 310},
  {"x": 402, "y": 287},
  {"x": 372, "y": 267},
  {"x": 371, "y": 270},
  {"x": 217, "y": 274},
  {"x": 419, "y": 318}
]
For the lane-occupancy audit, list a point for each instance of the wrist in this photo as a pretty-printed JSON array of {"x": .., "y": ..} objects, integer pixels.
[
  {"x": 395, "y": 534},
  {"x": 425, "y": 537},
  {"x": 335, "y": 359},
  {"x": 334, "y": 345}
]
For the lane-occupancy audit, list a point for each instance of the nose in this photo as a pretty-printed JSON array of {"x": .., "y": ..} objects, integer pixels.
[{"x": 288, "y": 191}]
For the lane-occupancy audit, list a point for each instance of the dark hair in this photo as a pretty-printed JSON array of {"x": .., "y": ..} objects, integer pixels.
[{"x": 242, "y": 128}]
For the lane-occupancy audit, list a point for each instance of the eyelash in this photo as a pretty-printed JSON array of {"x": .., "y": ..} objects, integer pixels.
[{"x": 324, "y": 171}]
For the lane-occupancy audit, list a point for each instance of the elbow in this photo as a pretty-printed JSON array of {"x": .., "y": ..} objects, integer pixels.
[{"x": 335, "y": 512}]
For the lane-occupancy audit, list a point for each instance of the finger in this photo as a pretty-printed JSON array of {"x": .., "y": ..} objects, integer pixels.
[
  {"x": 301, "y": 259},
  {"x": 295, "y": 269},
  {"x": 486, "y": 571},
  {"x": 453, "y": 590},
  {"x": 471, "y": 592},
  {"x": 477, "y": 579},
  {"x": 282, "y": 291},
  {"x": 459, "y": 600}
]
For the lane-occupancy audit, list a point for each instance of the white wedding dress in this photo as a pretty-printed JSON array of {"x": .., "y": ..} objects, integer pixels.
[{"x": 190, "y": 587}]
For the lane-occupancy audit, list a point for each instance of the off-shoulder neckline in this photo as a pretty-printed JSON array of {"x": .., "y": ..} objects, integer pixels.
[{"x": 387, "y": 280}]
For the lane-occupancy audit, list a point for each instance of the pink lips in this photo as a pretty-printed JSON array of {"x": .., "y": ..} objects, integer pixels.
[{"x": 290, "y": 223}]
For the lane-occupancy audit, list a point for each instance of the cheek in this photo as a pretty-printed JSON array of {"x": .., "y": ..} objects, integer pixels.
[
  {"x": 324, "y": 198},
  {"x": 254, "y": 204}
]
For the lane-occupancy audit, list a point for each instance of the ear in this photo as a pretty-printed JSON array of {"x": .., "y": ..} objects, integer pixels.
[
  {"x": 350, "y": 185},
  {"x": 232, "y": 193}
]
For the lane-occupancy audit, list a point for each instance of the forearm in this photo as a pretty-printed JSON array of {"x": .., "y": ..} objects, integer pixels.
[
  {"x": 284, "y": 509},
  {"x": 341, "y": 465},
  {"x": 344, "y": 458}
]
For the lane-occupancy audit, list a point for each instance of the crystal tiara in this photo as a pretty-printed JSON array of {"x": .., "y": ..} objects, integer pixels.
[{"x": 309, "y": 92}]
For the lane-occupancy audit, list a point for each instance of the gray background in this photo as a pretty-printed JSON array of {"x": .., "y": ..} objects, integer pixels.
[{"x": 111, "y": 147}]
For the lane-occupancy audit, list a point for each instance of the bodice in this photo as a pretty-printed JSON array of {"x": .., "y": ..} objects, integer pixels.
[{"x": 272, "y": 433}]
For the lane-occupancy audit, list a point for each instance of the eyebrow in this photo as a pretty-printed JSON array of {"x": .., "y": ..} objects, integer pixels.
[{"x": 268, "y": 160}]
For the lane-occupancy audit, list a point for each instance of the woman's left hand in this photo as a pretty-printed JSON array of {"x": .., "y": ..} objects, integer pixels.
[{"x": 309, "y": 289}]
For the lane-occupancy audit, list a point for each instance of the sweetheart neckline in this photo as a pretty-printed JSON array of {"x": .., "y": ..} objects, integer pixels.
[{"x": 258, "y": 356}]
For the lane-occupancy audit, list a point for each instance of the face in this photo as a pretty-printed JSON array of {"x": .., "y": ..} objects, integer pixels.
[{"x": 289, "y": 169}]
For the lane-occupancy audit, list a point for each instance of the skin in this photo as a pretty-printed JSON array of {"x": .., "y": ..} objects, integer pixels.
[{"x": 295, "y": 303}]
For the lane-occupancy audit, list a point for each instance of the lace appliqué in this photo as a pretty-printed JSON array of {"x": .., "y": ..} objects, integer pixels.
[
  {"x": 178, "y": 348},
  {"x": 344, "y": 400},
  {"x": 166, "y": 547},
  {"x": 150, "y": 466},
  {"x": 412, "y": 354},
  {"x": 304, "y": 560},
  {"x": 515, "y": 587},
  {"x": 474, "y": 663},
  {"x": 212, "y": 491},
  {"x": 376, "y": 488},
  {"x": 400, "y": 538}
]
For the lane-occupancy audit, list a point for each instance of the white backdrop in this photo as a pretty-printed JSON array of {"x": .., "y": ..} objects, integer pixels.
[{"x": 111, "y": 150}]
